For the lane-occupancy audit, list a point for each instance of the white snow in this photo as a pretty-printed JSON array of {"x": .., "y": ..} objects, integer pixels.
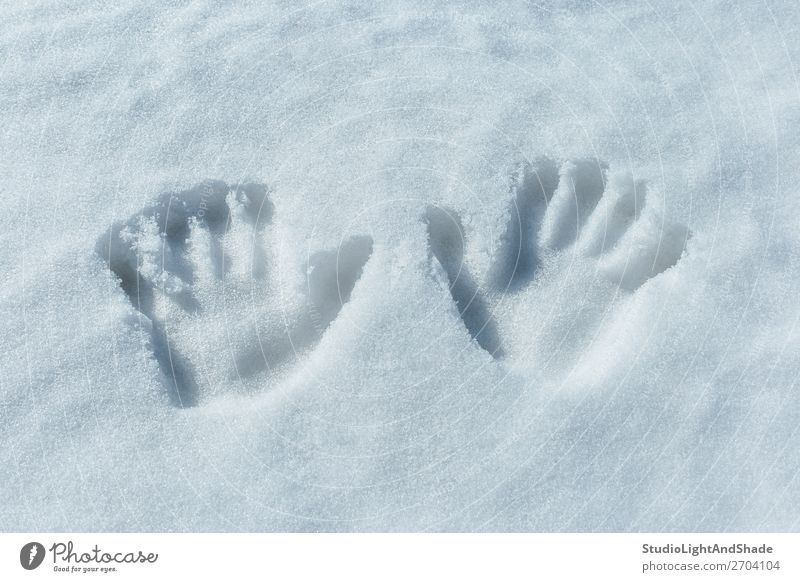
[{"x": 399, "y": 266}]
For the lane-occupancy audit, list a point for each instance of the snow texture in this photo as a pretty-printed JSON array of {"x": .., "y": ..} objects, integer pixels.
[{"x": 399, "y": 266}]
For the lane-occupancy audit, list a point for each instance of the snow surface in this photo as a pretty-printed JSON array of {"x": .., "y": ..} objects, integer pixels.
[{"x": 400, "y": 266}]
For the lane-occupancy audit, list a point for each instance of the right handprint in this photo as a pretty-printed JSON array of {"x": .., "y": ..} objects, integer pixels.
[{"x": 579, "y": 238}]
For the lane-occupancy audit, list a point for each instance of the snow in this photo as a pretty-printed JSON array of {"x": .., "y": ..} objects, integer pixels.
[{"x": 399, "y": 266}]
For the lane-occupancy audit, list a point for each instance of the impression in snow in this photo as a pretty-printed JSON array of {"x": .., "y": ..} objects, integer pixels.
[
  {"x": 197, "y": 261},
  {"x": 576, "y": 207}
]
